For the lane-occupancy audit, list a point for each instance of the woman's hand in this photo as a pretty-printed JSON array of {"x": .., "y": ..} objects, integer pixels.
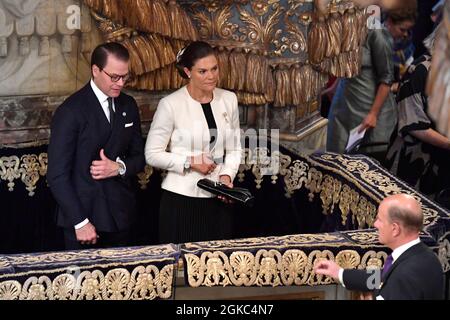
[
  {"x": 226, "y": 180},
  {"x": 369, "y": 122},
  {"x": 203, "y": 164}
]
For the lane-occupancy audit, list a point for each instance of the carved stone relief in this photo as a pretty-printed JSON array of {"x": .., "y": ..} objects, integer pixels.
[{"x": 41, "y": 51}]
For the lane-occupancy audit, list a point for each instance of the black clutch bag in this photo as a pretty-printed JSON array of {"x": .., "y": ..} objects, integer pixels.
[{"x": 240, "y": 195}]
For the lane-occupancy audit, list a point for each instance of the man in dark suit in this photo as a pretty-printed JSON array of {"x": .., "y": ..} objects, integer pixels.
[
  {"x": 95, "y": 147},
  {"x": 411, "y": 272}
]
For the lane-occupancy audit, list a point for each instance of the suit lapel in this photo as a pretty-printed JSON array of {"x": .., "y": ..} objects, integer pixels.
[{"x": 405, "y": 255}]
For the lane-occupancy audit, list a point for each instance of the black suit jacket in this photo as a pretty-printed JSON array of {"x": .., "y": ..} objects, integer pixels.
[
  {"x": 416, "y": 275},
  {"x": 79, "y": 130}
]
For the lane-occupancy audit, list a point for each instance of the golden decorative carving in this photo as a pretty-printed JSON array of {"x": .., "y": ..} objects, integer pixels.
[
  {"x": 245, "y": 45},
  {"x": 144, "y": 282},
  {"x": 91, "y": 283},
  {"x": 369, "y": 238},
  {"x": 297, "y": 43},
  {"x": 151, "y": 16},
  {"x": 215, "y": 274},
  {"x": 444, "y": 254},
  {"x": 73, "y": 256},
  {"x": 294, "y": 263},
  {"x": 217, "y": 24},
  {"x": 242, "y": 264},
  {"x": 10, "y": 290},
  {"x": 373, "y": 260},
  {"x": 352, "y": 201},
  {"x": 62, "y": 287},
  {"x": 259, "y": 31},
  {"x": 9, "y": 167},
  {"x": 144, "y": 177},
  {"x": 295, "y": 176},
  {"x": 30, "y": 169},
  {"x": 267, "y": 267},
  {"x": 348, "y": 259}
]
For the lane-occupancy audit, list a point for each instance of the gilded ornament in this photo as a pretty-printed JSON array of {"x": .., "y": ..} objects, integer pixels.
[
  {"x": 294, "y": 264},
  {"x": 269, "y": 268},
  {"x": 116, "y": 282},
  {"x": 216, "y": 273},
  {"x": 243, "y": 264},
  {"x": 10, "y": 290},
  {"x": 444, "y": 254},
  {"x": 348, "y": 259},
  {"x": 91, "y": 285},
  {"x": 144, "y": 177},
  {"x": 29, "y": 170},
  {"x": 9, "y": 170},
  {"x": 63, "y": 287}
]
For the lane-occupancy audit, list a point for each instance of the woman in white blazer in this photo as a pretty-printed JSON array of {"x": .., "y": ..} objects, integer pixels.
[{"x": 195, "y": 134}]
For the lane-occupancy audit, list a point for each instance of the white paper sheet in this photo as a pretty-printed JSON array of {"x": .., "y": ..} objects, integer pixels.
[{"x": 354, "y": 138}]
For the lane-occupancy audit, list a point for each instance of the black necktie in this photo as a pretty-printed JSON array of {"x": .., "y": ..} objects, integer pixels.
[{"x": 111, "y": 111}]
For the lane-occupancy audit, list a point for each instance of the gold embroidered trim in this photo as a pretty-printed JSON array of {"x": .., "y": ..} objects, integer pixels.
[
  {"x": 144, "y": 283},
  {"x": 269, "y": 267},
  {"x": 444, "y": 251},
  {"x": 29, "y": 168},
  {"x": 296, "y": 174},
  {"x": 362, "y": 239}
]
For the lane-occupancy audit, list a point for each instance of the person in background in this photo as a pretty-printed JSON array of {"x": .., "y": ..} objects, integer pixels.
[
  {"x": 418, "y": 153},
  {"x": 411, "y": 272},
  {"x": 195, "y": 135},
  {"x": 366, "y": 101}
]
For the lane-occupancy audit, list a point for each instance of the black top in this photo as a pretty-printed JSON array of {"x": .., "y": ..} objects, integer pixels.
[{"x": 207, "y": 111}]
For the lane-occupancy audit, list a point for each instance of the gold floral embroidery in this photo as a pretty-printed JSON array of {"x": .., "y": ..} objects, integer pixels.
[
  {"x": 267, "y": 267},
  {"x": 144, "y": 282},
  {"x": 9, "y": 167},
  {"x": 144, "y": 177}
]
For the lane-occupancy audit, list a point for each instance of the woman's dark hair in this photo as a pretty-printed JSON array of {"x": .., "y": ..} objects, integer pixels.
[
  {"x": 100, "y": 54},
  {"x": 188, "y": 56},
  {"x": 407, "y": 12}
]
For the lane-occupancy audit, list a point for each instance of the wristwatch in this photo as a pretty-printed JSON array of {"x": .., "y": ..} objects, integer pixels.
[
  {"x": 187, "y": 164},
  {"x": 121, "y": 168}
]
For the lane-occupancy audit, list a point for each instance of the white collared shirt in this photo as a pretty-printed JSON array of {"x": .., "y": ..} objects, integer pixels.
[
  {"x": 103, "y": 99},
  {"x": 400, "y": 250}
]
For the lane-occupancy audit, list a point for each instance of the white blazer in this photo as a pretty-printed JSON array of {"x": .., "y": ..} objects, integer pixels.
[{"x": 179, "y": 130}]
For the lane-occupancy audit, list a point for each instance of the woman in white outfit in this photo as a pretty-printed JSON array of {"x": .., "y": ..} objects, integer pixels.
[{"x": 195, "y": 135}]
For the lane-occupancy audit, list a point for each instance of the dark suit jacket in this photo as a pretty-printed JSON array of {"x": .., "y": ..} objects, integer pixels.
[
  {"x": 79, "y": 130},
  {"x": 416, "y": 275}
]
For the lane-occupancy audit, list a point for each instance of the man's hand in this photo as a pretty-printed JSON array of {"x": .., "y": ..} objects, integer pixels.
[
  {"x": 104, "y": 168},
  {"x": 328, "y": 268},
  {"x": 87, "y": 234}
]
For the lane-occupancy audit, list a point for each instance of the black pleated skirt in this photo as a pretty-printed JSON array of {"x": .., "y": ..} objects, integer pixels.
[{"x": 187, "y": 219}]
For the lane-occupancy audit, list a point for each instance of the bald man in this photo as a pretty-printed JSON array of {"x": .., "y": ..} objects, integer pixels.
[{"x": 411, "y": 272}]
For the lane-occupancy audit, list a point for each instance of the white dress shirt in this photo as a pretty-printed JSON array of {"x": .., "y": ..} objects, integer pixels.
[{"x": 103, "y": 99}]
